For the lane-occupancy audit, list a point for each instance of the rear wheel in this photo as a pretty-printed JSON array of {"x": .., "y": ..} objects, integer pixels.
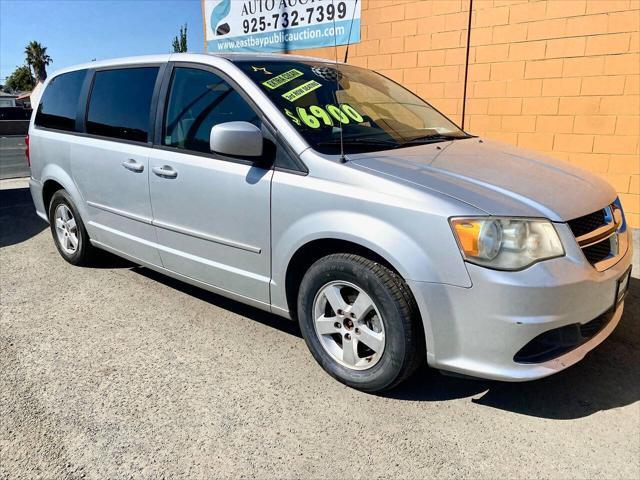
[
  {"x": 360, "y": 322},
  {"x": 69, "y": 233}
]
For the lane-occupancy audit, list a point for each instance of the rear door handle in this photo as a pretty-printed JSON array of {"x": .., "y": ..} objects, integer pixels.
[
  {"x": 132, "y": 165},
  {"x": 165, "y": 171}
]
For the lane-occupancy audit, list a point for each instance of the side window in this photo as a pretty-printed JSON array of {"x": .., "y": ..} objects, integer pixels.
[
  {"x": 197, "y": 101},
  {"x": 59, "y": 102},
  {"x": 120, "y": 103}
]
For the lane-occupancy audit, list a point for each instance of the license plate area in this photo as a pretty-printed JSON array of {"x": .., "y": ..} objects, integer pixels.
[{"x": 622, "y": 287}]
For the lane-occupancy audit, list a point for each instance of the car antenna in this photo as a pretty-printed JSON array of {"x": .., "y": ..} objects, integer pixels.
[
  {"x": 353, "y": 16},
  {"x": 343, "y": 159}
]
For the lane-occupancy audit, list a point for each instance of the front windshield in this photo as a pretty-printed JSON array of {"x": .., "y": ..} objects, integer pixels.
[{"x": 373, "y": 112}]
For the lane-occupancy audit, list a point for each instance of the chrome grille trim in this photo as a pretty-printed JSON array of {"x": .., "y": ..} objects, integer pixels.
[
  {"x": 613, "y": 231},
  {"x": 598, "y": 235}
]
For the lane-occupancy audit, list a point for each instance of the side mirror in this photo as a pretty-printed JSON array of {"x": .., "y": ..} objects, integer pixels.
[{"x": 236, "y": 139}]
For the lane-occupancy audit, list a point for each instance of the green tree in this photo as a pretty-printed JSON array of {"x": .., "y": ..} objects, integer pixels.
[
  {"x": 180, "y": 41},
  {"x": 20, "y": 80},
  {"x": 38, "y": 59}
]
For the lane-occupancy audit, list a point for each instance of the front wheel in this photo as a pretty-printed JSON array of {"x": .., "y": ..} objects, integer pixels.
[{"x": 360, "y": 322}]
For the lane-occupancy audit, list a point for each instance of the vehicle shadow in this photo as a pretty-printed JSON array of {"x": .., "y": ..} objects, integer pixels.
[
  {"x": 19, "y": 222},
  {"x": 18, "y": 219},
  {"x": 607, "y": 378},
  {"x": 255, "y": 314}
]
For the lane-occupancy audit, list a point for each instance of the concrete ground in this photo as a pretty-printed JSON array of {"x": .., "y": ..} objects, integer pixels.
[
  {"x": 13, "y": 162},
  {"x": 117, "y": 372}
]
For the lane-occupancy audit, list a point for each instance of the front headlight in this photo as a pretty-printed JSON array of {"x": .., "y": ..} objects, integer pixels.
[{"x": 506, "y": 243}]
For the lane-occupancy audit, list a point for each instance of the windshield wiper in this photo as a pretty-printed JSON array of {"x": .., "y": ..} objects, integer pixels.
[
  {"x": 434, "y": 137},
  {"x": 360, "y": 141},
  {"x": 391, "y": 144}
]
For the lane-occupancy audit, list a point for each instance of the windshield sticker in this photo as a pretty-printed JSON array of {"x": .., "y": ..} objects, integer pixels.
[
  {"x": 352, "y": 112},
  {"x": 321, "y": 114},
  {"x": 310, "y": 121},
  {"x": 281, "y": 79},
  {"x": 261, "y": 69},
  {"x": 301, "y": 91},
  {"x": 292, "y": 117},
  {"x": 337, "y": 114},
  {"x": 316, "y": 116}
]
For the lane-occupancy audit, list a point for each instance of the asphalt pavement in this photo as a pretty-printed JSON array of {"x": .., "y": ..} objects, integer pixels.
[
  {"x": 119, "y": 372},
  {"x": 13, "y": 162}
]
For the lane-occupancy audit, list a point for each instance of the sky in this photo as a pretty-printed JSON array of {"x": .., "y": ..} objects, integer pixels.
[{"x": 77, "y": 31}]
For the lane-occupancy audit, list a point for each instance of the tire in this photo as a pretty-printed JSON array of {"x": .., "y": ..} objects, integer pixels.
[
  {"x": 80, "y": 252},
  {"x": 391, "y": 328}
]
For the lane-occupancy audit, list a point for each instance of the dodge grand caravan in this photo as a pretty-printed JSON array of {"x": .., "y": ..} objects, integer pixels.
[{"x": 331, "y": 195}]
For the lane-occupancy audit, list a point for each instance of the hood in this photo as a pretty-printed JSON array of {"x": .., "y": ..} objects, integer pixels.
[{"x": 494, "y": 177}]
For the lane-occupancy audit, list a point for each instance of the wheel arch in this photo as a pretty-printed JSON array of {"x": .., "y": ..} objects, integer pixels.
[
  {"x": 49, "y": 187},
  {"x": 312, "y": 251},
  {"x": 55, "y": 178}
]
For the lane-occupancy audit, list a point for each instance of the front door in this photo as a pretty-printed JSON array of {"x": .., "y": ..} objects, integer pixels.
[{"x": 211, "y": 213}]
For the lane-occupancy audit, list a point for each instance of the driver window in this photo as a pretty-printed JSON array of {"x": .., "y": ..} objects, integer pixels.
[{"x": 197, "y": 101}]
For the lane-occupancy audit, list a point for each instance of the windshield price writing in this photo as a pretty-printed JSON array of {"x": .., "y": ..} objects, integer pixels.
[{"x": 316, "y": 116}]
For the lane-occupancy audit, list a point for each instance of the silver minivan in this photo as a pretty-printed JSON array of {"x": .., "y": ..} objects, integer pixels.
[{"x": 331, "y": 195}]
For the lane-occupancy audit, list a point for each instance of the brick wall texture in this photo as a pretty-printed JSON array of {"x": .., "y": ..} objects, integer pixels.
[{"x": 558, "y": 76}]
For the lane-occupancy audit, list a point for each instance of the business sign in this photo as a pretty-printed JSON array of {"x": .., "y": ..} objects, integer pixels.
[{"x": 279, "y": 25}]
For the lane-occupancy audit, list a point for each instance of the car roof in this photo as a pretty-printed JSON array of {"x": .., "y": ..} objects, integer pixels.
[{"x": 203, "y": 57}]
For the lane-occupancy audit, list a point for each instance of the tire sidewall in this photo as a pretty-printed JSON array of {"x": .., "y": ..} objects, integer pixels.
[
  {"x": 389, "y": 367},
  {"x": 62, "y": 198}
]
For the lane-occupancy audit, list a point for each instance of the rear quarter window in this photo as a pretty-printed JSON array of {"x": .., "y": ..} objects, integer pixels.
[
  {"x": 59, "y": 103},
  {"x": 120, "y": 103}
]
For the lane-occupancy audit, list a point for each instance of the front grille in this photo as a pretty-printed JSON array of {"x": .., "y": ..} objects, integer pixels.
[
  {"x": 596, "y": 234},
  {"x": 597, "y": 252},
  {"x": 557, "y": 342},
  {"x": 588, "y": 223}
]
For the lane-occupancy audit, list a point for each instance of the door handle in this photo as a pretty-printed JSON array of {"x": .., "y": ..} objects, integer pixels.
[
  {"x": 165, "y": 171},
  {"x": 132, "y": 165}
]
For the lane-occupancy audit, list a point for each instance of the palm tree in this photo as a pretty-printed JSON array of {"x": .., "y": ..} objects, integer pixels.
[
  {"x": 180, "y": 43},
  {"x": 38, "y": 59}
]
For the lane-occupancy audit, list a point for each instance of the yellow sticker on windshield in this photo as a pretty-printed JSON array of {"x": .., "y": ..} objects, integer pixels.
[
  {"x": 281, "y": 79},
  {"x": 329, "y": 115},
  {"x": 301, "y": 91}
]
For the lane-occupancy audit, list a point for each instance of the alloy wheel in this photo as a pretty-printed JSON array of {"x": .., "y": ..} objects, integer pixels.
[
  {"x": 66, "y": 229},
  {"x": 349, "y": 325}
]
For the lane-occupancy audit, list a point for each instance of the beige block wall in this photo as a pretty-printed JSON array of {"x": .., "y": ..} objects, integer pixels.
[{"x": 558, "y": 76}]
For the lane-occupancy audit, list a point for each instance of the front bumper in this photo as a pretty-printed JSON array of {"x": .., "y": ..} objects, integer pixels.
[{"x": 478, "y": 331}]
